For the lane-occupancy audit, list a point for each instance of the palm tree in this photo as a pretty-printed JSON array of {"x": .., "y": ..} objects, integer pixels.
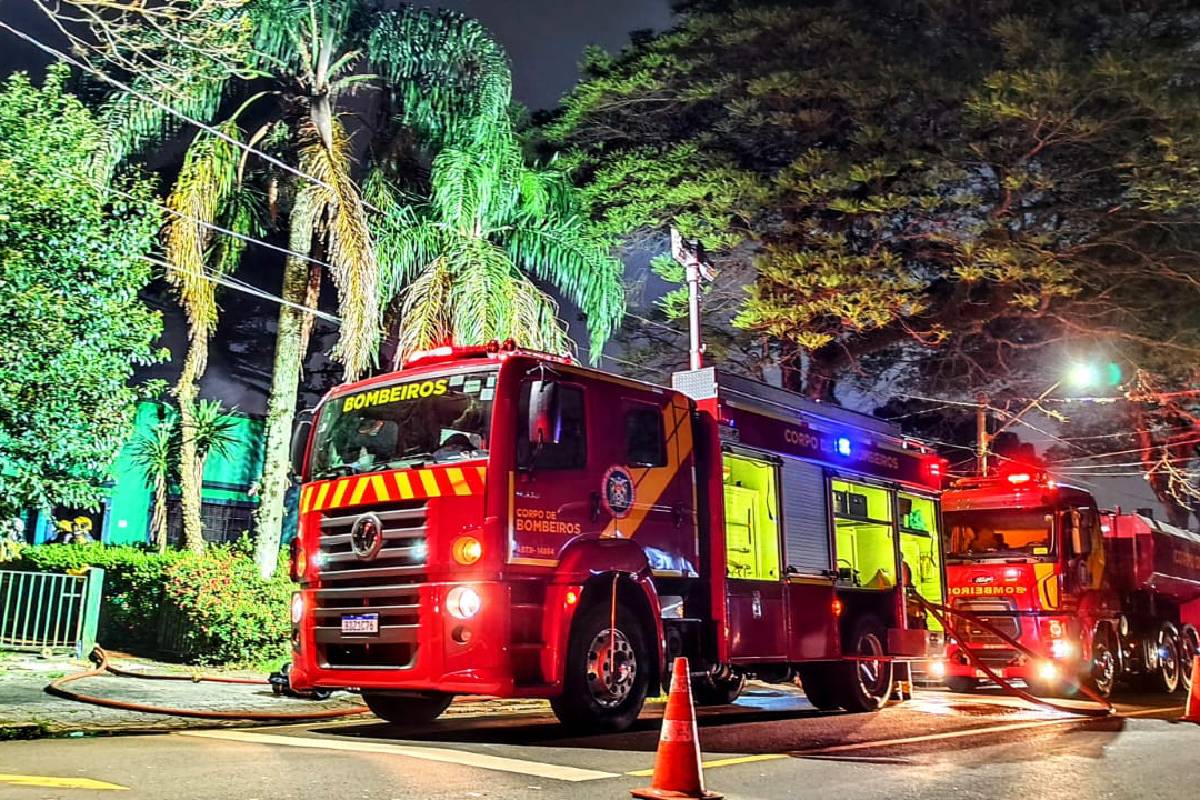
[
  {"x": 438, "y": 68},
  {"x": 212, "y": 430},
  {"x": 459, "y": 263},
  {"x": 156, "y": 455}
]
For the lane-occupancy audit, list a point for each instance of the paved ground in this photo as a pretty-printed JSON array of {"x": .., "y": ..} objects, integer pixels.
[{"x": 771, "y": 745}]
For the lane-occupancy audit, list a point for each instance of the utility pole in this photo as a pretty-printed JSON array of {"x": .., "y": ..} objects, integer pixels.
[
  {"x": 981, "y": 432},
  {"x": 690, "y": 256}
]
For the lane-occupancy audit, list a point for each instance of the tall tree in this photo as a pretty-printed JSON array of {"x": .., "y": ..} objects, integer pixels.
[
  {"x": 930, "y": 195},
  {"x": 72, "y": 261}
]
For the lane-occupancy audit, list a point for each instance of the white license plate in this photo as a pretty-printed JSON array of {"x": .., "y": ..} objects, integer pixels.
[
  {"x": 981, "y": 674},
  {"x": 360, "y": 623}
]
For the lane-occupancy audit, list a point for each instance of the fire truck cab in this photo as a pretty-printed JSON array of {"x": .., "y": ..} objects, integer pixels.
[{"x": 495, "y": 521}]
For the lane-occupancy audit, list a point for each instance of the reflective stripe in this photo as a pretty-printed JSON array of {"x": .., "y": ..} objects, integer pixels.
[
  {"x": 403, "y": 485},
  {"x": 322, "y": 493},
  {"x": 305, "y": 499},
  {"x": 678, "y": 730},
  {"x": 360, "y": 488},
  {"x": 429, "y": 482},
  {"x": 379, "y": 486},
  {"x": 458, "y": 481},
  {"x": 339, "y": 490}
]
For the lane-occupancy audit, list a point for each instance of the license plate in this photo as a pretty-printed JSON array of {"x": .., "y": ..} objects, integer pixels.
[
  {"x": 360, "y": 623},
  {"x": 981, "y": 674}
]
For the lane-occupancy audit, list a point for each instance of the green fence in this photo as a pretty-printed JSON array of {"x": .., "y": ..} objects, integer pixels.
[{"x": 50, "y": 611}]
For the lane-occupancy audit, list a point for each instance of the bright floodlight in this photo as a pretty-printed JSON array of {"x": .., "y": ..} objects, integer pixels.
[{"x": 1083, "y": 375}]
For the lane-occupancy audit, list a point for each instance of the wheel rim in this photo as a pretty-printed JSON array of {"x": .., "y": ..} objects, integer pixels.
[
  {"x": 871, "y": 675},
  {"x": 1189, "y": 648},
  {"x": 611, "y": 667},
  {"x": 1168, "y": 662},
  {"x": 1104, "y": 667}
]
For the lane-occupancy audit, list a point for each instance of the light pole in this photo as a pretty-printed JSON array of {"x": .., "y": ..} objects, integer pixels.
[{"x": 690, "y": 256}]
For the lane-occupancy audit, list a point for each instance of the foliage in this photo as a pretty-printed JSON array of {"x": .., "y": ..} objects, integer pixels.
[
  {"x": 228, "y": 615},
  {"x": 983, "y": 182},
  {"x": 459, "y": 263},
  {"x": 72, "y": 252}
]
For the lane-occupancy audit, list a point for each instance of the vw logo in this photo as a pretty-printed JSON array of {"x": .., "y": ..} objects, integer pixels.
[
  {"x": 983, "y": 579},
  {"x": 366, "y": 537}
]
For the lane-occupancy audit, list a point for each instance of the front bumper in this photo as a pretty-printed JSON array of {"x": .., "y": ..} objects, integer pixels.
[{"x": 431, "y": 652}]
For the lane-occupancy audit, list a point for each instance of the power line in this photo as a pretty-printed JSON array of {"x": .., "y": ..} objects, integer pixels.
[
  {"x": 61, "y": 56},
  {"x": 1118, "y": 452},
  {"x": 246, "y": 288}
]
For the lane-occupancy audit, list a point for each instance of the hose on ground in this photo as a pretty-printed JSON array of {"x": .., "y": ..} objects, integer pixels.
[
  {"x": 943, "y": 613},
  {"x": 100, "y": 658}
]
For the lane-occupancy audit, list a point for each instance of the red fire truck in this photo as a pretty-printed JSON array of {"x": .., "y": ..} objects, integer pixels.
[
  {"x": 1099, "y": 596},
  {"x": 495, "y": 521}
]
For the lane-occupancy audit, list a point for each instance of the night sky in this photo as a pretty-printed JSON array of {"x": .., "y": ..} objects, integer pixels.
[{"x": 544, "y": 38}]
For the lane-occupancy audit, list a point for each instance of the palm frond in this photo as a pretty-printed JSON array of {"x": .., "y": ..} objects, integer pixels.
[
  {"x": 580, "y": 266},
  {"x": 213, "y": 429},
  {"x": 425, "y": 309},
  {"x": 350, "y": 246},
  {"x": 205, "y": 183}
]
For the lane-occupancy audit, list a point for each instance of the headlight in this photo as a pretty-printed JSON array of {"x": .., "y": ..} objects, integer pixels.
[
  {"x": 1061, "y": 648},
  {"x": 463, "y": 602},
  {"x": 467, "y": 550},
  {"x": 1047, "y": 671},
  {"x": 297, "y": 608},
  {"x": 937, "y": 669}
]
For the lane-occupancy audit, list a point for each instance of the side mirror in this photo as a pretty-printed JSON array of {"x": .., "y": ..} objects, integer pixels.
[
  {"x": 300, "y": 445},
  {"x": 1079, "y": 535},
  {"x": 545, "y": 416}
]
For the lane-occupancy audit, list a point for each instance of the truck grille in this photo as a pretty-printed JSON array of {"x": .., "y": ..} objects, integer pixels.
[
  {"x": 979, "y": 636},
  {"x": 387, "y": 585}
]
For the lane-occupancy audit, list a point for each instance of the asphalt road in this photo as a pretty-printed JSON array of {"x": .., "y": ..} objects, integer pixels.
[{"x": 771, "y": 745}]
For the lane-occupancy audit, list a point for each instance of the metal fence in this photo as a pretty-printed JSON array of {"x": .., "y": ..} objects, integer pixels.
[{"x": 50, "y": 611}]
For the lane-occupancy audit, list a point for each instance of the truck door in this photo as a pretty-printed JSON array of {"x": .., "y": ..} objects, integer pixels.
[
  {"x": 555, "y": 495},
  {"x": 920, "y": 548},
  {"x": 757, "y": 616}
]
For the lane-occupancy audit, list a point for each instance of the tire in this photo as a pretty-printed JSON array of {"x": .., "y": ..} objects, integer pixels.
[
  {"x": 407, "y": 711},
  {"x": 717, "y": 692},
  {"x": 820, "y": 682},
  {"x": 961, "y": 685},
  {"x": 1102, "y": 676},
  {"x": 866, "y": 685},
  {"x": 593, "y": 698},
  {"x": 1189, "y": 648},
  {"x": 1166, "y": 678}
]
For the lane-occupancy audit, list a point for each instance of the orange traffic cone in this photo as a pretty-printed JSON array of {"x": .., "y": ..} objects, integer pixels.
[
  {"x": 677, "y": 771},
  {"x": 1193, "y": 705}
]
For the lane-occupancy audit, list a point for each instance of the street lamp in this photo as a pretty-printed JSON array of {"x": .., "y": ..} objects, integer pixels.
[{"x": 1080, "y": 375}]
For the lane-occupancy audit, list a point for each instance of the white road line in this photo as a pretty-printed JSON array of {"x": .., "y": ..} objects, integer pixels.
[
  {"x": 442, "y": 754},
  {"x": 934, "y": 737}
]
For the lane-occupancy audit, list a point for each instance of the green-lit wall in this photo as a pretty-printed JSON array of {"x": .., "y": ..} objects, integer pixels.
[{"x": 225, "y": 478}]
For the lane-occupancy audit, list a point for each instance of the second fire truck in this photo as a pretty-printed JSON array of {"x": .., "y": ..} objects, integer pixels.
[
  {"x": 495, "y": 521},
  {"x": 1099, "y": 597}
]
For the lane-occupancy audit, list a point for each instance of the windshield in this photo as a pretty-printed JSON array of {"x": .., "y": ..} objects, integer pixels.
[
  {"x": 999, "y": 532},
  {"x": 432, "y": 420}
]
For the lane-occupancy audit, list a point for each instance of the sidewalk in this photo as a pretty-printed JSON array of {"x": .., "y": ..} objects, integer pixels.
[{"x": 28, "y": 712}]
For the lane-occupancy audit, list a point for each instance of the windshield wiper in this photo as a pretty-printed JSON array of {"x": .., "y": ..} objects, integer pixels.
[{"x": 341, "y": 471}]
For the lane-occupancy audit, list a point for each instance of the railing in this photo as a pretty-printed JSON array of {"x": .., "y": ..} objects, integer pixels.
[{"x": 50, "y": 611}]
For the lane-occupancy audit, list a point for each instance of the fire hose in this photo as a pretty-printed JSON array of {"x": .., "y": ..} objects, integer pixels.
[
  {"x": 100, "y": 658},
  {"x": 943, "y": 613}
]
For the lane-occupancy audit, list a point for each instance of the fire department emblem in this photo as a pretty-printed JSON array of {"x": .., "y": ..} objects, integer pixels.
[
  {"x": 366, "y": 537},
  {"x": 618, "y": 492}
]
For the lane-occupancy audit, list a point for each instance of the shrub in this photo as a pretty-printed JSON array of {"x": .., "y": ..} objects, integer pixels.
[{"x": 225, "y": 613}]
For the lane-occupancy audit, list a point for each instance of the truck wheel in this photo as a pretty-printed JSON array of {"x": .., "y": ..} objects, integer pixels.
[
  {"x": 866, "y": 685},
  {"x": 717, "y": 691},
  {"x": 407, "y": 711},
  {"x": 961, "y": 685},
  {"x": 1189, "y": 648},
  {"x": 1166, "y": 677},
  {"x": 1103, "y": 674},
  {"x": 821, "y": 682},
  {"x": 607, "y": 671}
]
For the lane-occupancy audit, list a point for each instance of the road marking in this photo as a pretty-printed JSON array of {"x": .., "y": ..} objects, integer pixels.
[
  {"x": 48, "y": 782},
  {"x": 934, "y": 737},
  {"x": 720, "y": 762},
  {"x": 445, "y": 755},
  {"x": 1146, "y": 711}
]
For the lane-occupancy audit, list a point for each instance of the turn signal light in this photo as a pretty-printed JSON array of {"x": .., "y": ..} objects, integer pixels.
[
  {"x": 299, "y": 560},
  {"x": 467, "y": 550},
  {"x": 837, "y": 608},
  {"x": 1020, "y": 477}
]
